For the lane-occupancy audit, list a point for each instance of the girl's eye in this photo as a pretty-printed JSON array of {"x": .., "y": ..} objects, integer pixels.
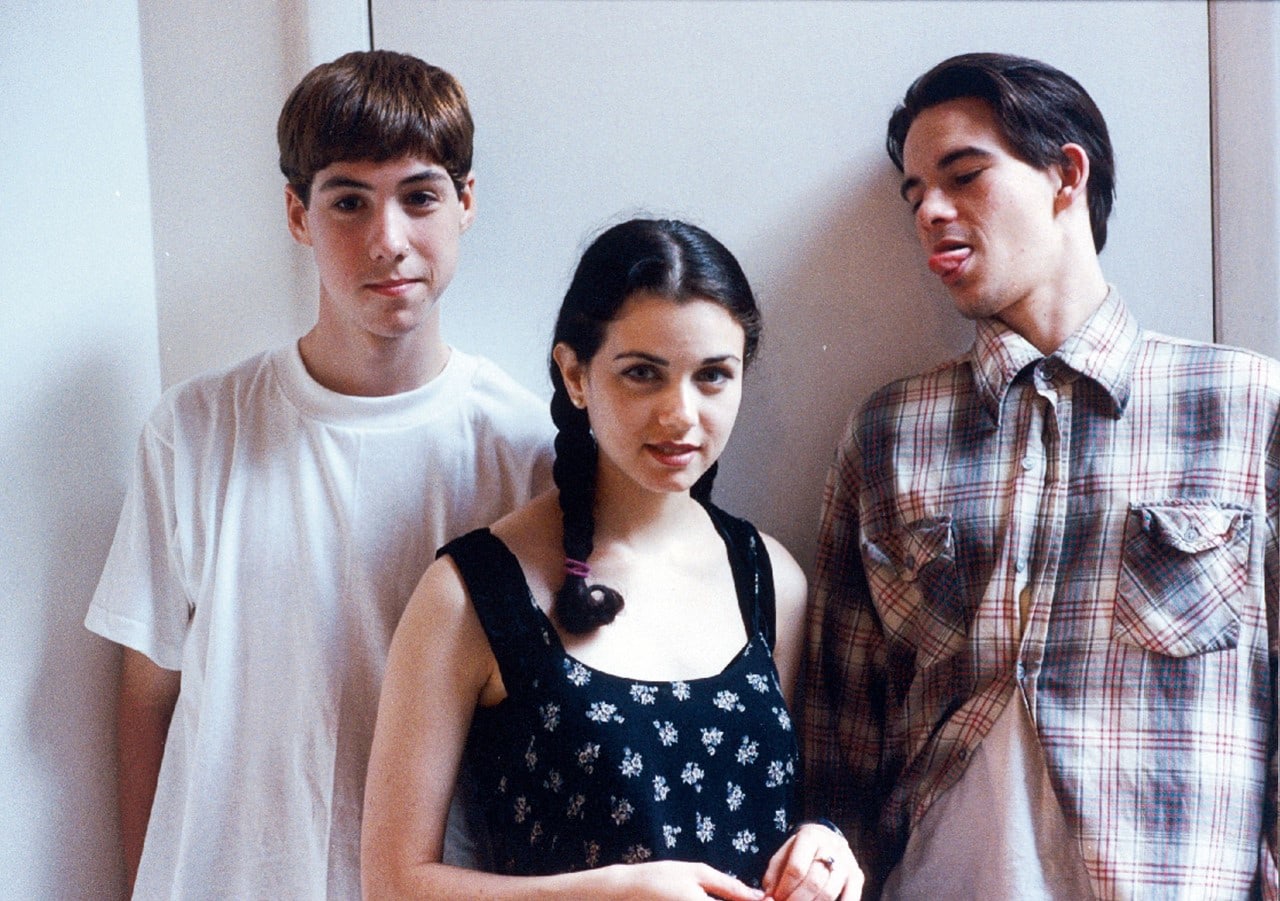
[
  {"x": 965, "y": 177},
  {"x": 715, "y": 375},
  {"x": 641, "y": 372}
]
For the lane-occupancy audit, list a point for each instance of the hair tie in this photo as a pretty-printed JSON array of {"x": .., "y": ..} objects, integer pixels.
[{"x": 576, "y": 568}]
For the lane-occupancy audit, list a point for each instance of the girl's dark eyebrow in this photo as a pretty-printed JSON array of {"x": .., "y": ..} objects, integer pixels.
[
  {"x": 660, "y": 361},
  {"x": 639, "y": 354}
]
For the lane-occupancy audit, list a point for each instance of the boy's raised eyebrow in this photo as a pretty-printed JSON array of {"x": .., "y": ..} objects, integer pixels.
[{"x": 947, "y": 159}]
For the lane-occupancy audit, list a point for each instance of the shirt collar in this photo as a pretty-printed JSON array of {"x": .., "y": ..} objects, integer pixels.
[{"x": 1104, "y": 350}]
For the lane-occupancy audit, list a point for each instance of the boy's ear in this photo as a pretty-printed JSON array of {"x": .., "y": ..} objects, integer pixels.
[
  {"x": 467, "y": 199},
  {"x": 573, "y": 373},
  {"x": 1074, "y": 174},
  {"x": 295, "y": 212}
]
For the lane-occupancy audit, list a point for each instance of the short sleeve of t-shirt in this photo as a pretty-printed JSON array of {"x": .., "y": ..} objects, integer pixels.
[{"x": 141, "y": 601}]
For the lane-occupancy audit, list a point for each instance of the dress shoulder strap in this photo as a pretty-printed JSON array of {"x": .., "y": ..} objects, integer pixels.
[
  {"x": 512, "y": 622},
  {"x": 752, "y": 572}
]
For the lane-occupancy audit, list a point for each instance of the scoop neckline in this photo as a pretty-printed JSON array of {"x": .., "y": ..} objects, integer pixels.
[
  {"x": 752, "y": 633},
  {"x": 596, "y": 671}
]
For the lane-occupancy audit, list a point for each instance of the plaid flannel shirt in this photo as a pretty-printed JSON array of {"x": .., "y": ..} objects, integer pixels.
[{"x": 1130, "y": 481}]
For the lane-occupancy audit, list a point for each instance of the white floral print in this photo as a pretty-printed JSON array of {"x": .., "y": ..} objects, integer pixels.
[
  {"x": 735, "y": 796},
  {"x": 603, "y": 712},
  {"x": 632, "y": 764},
  {"x": 706, "y": 829},
  {"x": 576, "y": 673},
  {"x": 644, "y": 694},
  {"x": 660, "y": 788},
  {"x": 692, "y": 775},
  {"x": 728, "y": 700},
  {"x": 667, "y": 733}
]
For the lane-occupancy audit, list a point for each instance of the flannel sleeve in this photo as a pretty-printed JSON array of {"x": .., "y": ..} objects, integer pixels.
[{"x": 843, "y": 707}]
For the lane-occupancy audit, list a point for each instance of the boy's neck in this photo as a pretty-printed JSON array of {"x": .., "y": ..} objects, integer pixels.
[{"x": 365, "y": 365}]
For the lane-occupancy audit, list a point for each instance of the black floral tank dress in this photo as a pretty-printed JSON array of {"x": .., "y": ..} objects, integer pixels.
[{"x": 579, "y": 768}]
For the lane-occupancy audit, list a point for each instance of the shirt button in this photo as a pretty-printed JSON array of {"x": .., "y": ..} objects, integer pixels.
[
  {"x": 1022, "y": 671},
  {"x": 1028, "y": 464},
  {"x": 1020, "y": 566},
  {"x": 963, "y": 754},
  {"x": 1193, "y": 533}
]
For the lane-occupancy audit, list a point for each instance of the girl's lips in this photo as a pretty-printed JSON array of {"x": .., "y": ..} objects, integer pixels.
[{"x": 673, "y": 454}]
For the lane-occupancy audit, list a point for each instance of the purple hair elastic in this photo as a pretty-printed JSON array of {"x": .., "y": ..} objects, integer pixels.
[{"x": 576, "y": 568}]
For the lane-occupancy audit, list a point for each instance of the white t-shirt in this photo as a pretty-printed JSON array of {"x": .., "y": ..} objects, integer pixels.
[
  {"x": 997, "y": 833},
  {"x": 271, "y": 537}
]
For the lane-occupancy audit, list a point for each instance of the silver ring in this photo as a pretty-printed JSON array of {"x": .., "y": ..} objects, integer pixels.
[{"x": 829, "y": 862}]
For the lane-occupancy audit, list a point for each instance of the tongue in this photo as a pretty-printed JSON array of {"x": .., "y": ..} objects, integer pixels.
[{"x": 945, "y": 262}]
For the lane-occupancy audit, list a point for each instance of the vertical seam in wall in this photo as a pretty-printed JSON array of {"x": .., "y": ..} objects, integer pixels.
[
  {"x": 369, "y": 16},
  {"x": 1214, "y": 242}
]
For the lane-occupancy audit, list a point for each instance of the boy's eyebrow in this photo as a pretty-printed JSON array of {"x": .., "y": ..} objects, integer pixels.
[
  {"x": 434, "y": 176},
  {"x": 947, "y": 159}
]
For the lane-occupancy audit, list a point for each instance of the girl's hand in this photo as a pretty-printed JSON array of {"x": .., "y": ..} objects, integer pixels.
[
  {"x": 815, "y": 863},
  {"x": 674, "y": 880}
]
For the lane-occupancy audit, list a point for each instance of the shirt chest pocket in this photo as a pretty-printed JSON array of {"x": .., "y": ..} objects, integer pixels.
[
  {"x": 919, "y": 594},
  {"x": 1183, "y": 566}
]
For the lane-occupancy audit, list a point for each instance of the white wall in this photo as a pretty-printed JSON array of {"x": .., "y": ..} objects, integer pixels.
[
  {"x": 230, "y": 281},
  {"x": 764, "y": 122},
  {"x": 1246, "y": 80},
  {"x": 78, "y": 370}
]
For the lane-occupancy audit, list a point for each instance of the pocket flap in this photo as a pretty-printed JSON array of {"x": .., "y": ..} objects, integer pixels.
[
  {"x": 908, "y": 551},
  {"x": 1192, "y": 529}
]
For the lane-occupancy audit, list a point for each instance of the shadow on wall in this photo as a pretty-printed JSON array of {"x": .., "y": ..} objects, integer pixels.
[
  {"x": 73, "y": 441},
  {"x": 848, "y": 306}
]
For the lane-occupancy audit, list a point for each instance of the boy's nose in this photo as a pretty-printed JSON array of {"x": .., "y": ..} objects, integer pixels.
[{"x": 390, "y": 240}]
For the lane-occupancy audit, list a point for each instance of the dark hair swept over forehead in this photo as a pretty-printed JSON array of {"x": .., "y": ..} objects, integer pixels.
[{"x": 374, "y": 105}]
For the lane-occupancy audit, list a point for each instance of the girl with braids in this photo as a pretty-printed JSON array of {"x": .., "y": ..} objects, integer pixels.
[{"x": 621, "y": 650}]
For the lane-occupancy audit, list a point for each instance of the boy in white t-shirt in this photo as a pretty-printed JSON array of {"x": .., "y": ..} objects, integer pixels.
[{"x": 282, "y": 510}]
